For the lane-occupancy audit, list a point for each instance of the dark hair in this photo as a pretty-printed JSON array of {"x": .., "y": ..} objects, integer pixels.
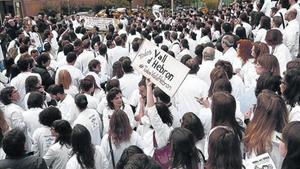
[
  {"x": 224, "y": 149},
  {"x": 138, "y": 161},
  {"x": 117, "y": 69},
  {"x": 227, "y": 27},
  {"x": 56, "y": 89},
  {"x": 25, "y": 63},
  {"x": 223, "y": 107},
  {"x": 126, "y": 65},
  {"x": 71, "y": 57},
  {"x": 270, "y": 63},
  {"x": 119, "y": 127},
  {"x": 42, "y": 58},
  {"x": 193, "y": 123},
  {"x": 291, "y": 139},
  {"x": 127, "y": 154},
  {"x": 68, "y": 48},
  {"x": 273, "y": 37},
  {"x": 268, "y": 81},
  {"x": 113, "y": 83},
  {"x": 82, "y": 146},
  {"x": 193, "y": 65},
  {"x": 293, "y": 64},
  {"x": 184, "y": 152},
  {"x": 161, "y": 95},
  {"x": 31, "y": 83},
  {"x": 81, "y": 101},
  {"x": 93, "y": 64},
  {"x": 5, "y": 95},
  {"x": 135, "y": 45},
  {"x": 49, "y": 115},
  {"x": 86, "y": 85},
  {"x": 265, "y": 22},
  {"x": 47, "y": 47},
  {"x": 64, "y": 130},
  {"x": 222, "y": 85},
  {"x": 102, "y": 49},
  {"x": 14, "y": 143},
  {"x": 35, "y": 99},
  {"x": 241, "y": 32},
  {"x": 226, "y": 66},
  {"x": 112, "y": 93},
  {"x": 292, "y": 91},
  {"x": 216, "y": 74},
  {"x": 164, "y": 113}
]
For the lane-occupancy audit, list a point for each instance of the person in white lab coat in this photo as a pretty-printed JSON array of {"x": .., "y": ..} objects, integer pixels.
[
  {"x": 85, "y": 57},
  {"x": 57, "y": 155},
  {"x": 42, "y": 138},
  {"x": 9, "y": 96},
  {"x": 119, "y": 137},
  {"x": 84, "y": 153},
  {"x": 88, "y": 118},
  {"x": 65, "y": 103}
]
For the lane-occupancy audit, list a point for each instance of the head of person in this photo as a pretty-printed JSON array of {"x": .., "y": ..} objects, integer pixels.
[
  {"x": 293, "y": 64},
  {"x": 81, "y": 101},
  {"x": 57, "y": 92},
  {"x": 208, "y": 53},
  {"x": 241, "y": 32},
  {"x": 141, "y": 161},
  {"x": 119, "y": 127},
  {"x": 9, "y": 95},
  {"x": 32, "y": 83},
  {"x": 192, "y": 63},
  {"x": 290, "y": 147},
  {"x": 64, "y": 78},
  {"x": 25, "y": 64},
  {"x": 113, "y": 83},
  {"x": 226, "y": 27},
  {"x": 223, "y": 107},
  {"x": 227, "y": 41},
  {"x": 199, "y": 53},
  {"x": 267, "y": 63},
  {"x": 259, "y": 49},
  {"x": 142, "y": 88},
  {"x": 43, "y": 60},
  {"x": 114, "y": 99},
  {"x": 126, "y": 65},
  {"x": 184, "y": 152},
  {"x": 222, "y": 85},
  {"x": 224, "y": 149},
  {"x": 71, "y": 57},
  {"x": 49, "y": 115},
  {"x": 62, "y": 130},
  {"x": 216, "y": 74},
  {"x": 291, "y": 14},
  {"x": 35, "y": 100},
  {"x": 82, "y": 146},
  {"x": 127, "y": 154},
  {"x": 191, "y": 122},
  {"x": 161, "y": 96},
  {"x": 265, "y": 22},
  {"x": 14, "y": 143},
  {"x": 276, "y": 21},
  {"x": 290, "y": 87},
  {"x": 86, "y": 86},
  {"x": 117, "y": 69},
  {"x": 244, "y": 50},
  {"x": 268, "y": 81},
  {"x": 94, "y": 66},
  {"x": 270, "y": 115},
  {"x": 274, "y": 37}
]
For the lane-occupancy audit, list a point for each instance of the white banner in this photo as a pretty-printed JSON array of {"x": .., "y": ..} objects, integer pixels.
[
  {"x": 101, "y": 23},
  {"x": 262, "y": 161},
  {"x": 160, "y": 67}
]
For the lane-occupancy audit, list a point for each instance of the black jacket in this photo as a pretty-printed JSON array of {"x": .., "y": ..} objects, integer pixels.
[
  {"x": 22, "y": 162},
  {"x": 47, "y": 80}
]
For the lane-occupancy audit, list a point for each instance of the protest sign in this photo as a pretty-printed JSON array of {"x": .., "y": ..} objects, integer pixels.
[
  {"x": 101, "y": 23},
  {"x": 262, "y": 161},
  {"x": 160, "y": 67}
]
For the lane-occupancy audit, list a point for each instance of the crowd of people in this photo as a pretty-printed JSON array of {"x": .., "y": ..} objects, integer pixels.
[{"x": 70, "y": 98}]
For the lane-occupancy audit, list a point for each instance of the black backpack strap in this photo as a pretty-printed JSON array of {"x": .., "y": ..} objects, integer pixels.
[
  {"x": 202, "y": 155},
  {"x": 111, "y": 153},
  {"x": 283, "y": 25}
]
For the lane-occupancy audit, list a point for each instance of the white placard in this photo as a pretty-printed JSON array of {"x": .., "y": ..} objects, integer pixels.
[
  {"x": 101, "y": 23},
  {"x": 262, "y": 161},
  {"x": 160, "y": 67}
]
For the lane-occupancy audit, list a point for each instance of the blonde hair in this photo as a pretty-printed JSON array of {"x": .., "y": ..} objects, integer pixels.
[{"x": 64, "y": 78}]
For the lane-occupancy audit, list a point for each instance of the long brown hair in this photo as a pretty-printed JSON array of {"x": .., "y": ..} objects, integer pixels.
[
  {"x": 64, "y": 78},
  {"x": 3, "y": 124},
  {"x": 260, "y": 48},
  {"x": 119, "y": 127},
  {"x": 269, "y": 63},
  {"x": 244, "y": 50},
  {"x": 270, "y": 115}
]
